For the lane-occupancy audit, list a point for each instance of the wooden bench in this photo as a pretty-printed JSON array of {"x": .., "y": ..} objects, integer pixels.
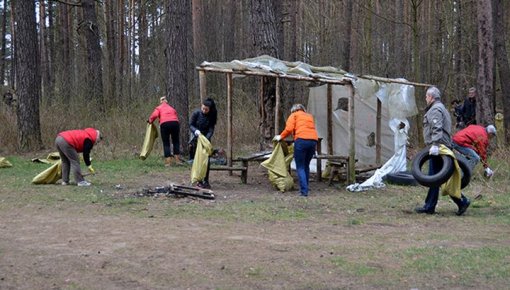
[
  {"x": 331, "y": 158},
  {"x": 244, "y": 165},
  {"x": 339, "y": 168},
  {"x": 243, "y": 169}
]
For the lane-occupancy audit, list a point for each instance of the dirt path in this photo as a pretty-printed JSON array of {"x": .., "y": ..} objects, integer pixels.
[{"x": 83, "y": 248}]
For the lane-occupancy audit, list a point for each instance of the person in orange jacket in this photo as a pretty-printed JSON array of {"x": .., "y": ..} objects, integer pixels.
[
  {"x": 169, "y": 127},
  {"x": 473, "y": 142},
  {"x": 69, "y": 144},
  {"x": 301, "y": 125}
]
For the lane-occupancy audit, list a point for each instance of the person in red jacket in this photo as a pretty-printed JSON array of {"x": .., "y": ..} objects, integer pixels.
[
  {"x": 169, "y": 126},
  {"x": 473, "y": 142},
  {"x": 69, "y": 144},
  {"x": 301, "y": 125}
]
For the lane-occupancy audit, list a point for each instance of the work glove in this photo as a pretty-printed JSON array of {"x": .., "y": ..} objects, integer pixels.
[
  {"x": 434, "y": 150},
  {"x": 488, "y": 172},
  {"x": 91, "y": 169},
  {"x": 277, "y": 138},
  {"x": 197, "y": 133}
]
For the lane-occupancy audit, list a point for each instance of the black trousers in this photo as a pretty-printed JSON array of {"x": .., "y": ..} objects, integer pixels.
[{"x": 168, "y": 129}]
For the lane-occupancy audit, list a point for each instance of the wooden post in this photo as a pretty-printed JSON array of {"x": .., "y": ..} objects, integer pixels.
[
  {"x": 277, "y": 109},
  {"x": 202, "y": 83},
  {"x": 351, "y": 166},
  {"x": 330, "y": 118},
  {"x": 229, "y": 120},
  {"x": 378, "y": 133},
  {"x": 319, "y": 161}
]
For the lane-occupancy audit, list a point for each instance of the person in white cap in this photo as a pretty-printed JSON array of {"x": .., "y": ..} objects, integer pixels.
[{"x": 473, "y": 142}]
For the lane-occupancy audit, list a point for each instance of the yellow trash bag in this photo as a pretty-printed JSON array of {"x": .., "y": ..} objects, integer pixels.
[
  {"x": 199, "y": 167},
  {"x": 50, "y": 175},
  {"x": 151, "y": 134},
  {"x": 277, "y": 166},
  {"x": 452, "y": 186},
  {"x": 52, "y": 158},
  {"x": 4, "y": 163}
]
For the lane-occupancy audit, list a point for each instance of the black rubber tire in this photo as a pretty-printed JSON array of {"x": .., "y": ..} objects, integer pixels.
[
  {"x": 437, "y": 179},
  {"x": 401, "y": 178},
  {"x": 465, "y": 168}
]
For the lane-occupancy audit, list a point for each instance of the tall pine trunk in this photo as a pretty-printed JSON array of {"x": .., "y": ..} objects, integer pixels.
[
  {"x": 485, "y": 79},
  {"x": 94, "y": 73},
  {"x": 28, "y": 78},
  {"x": 265, "y": 37},
  {"x": 178, "y": 23},
  {"x": 502, "y": 61}
]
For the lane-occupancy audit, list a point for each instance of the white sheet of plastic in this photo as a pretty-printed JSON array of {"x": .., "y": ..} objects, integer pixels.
[{"x": 396, "y": 163}]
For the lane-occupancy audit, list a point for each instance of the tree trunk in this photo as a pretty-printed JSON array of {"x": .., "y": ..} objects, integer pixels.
[
  {"x": 111, "y": 49},
  {"x": 143, "y": 40},
  {"x": 346, "y": 61},
  {"x": 94, "y": 72},
  {"x": 265, "y": 36},
  {"x": 28, "y": 78},
  {"x": 65, "y": 76},
  {"x": 178, "y": 23},
  {"x": 485, "y": 79},
  {"x": 43, "y": 50},
  {"x": 3, "y": 39},
  {"x": 420, "y": 101},
  {"x": 502, "y": 61}
]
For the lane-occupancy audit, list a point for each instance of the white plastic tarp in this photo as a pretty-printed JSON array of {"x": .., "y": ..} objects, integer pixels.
[{"x": 396, "y": 163}]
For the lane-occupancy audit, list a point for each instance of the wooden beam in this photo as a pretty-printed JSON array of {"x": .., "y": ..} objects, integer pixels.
[
  {"x": 332, "y": 80},
  {"x": 351, "y": 166},
  {"x": 330, "y": 118},
  {"x": 229, "y": 120},
  {"x": 277, "y": 109},
  {"x": 275, "y": 75},
  {"x": 203, "y": 85}
]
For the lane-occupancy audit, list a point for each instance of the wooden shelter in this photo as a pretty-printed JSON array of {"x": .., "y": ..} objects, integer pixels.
[{"x": 319, "y": 75}]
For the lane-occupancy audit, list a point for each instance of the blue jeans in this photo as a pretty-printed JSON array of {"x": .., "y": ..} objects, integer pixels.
[
  {"x": 470, "y": 154},
  {"x": 303, "y": 153}
]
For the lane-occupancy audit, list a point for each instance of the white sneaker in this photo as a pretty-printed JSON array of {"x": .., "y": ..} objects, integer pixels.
[
  {"x": 64, "y": 183},
  {"x": 84, "y": 183}
]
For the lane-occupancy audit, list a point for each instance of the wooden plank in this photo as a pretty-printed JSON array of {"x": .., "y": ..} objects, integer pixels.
[{"x": 226, "y": 168}]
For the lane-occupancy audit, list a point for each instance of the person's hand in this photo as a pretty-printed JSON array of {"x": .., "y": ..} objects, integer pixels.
[
  {"x": 488, "y": 172},
  {"x": 91, "y": 169},
  {"x": 434, "y": 150},
  {"x": 277, "y": 138},
  {"x": 197, "y": 133}
]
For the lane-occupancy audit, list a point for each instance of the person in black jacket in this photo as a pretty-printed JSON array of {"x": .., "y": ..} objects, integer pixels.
[
  {"x": 203, "y": 121},
  {"x": 469, "y": 108}
]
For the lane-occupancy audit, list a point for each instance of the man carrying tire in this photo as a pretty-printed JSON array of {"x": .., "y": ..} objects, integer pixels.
[{"x": 437, "y": 125}]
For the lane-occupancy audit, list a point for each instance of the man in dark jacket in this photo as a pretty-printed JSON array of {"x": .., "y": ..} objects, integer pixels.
[{"x": 469, "y": 108}]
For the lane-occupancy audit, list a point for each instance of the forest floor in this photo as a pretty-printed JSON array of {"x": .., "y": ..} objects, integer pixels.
[{"x": 250, "y": 237}]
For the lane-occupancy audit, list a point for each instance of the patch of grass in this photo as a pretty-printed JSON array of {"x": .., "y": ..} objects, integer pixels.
[
  {"x": 241, "y": 211},
  {"x": 488, "y": 262},
  {"x": 353, "y": 268}
]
